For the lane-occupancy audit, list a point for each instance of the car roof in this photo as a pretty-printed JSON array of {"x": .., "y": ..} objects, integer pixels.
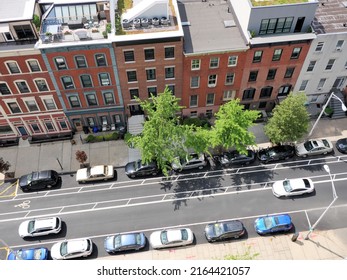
[
  {"x": 45, "y": 223},
  {"x": 128, "y": 239},
  {"x": 76, "y": 245},
  {"x": 174, "y": 235},
  {"x": 98, "y": 169}
]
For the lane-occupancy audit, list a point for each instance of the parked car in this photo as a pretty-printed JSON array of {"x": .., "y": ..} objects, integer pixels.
[
  {"x": 272, "y": 224},
  {"x": 276, "y": 153},
  {"x": 341, "y": 145},
  {"x": 292, "y": 187},
  {"x": 224, "y": 230},
  {"x": 171, "y": 238},
  {"x": 73, "y": 248},
  {"x": 29, "y": 254},
  {"x": 40, "y": 227},
  {"x": 314, "y": 147},
  {"x": 236, "y": 158},
  {"x": 95, "y": 173},
  {"x": 138, "y": 168},
  {"x": 39, "y": 180},
  {"x": 125, "y": 242},
  {"x": 192, "y": 161}
]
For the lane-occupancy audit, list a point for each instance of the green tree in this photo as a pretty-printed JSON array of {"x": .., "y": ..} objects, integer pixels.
[
  {"x": 162, "y": 137},
  {"x": 290, "y": 120},
  {"x": 4, "y": 165},
  {"x": 231, "y": 127}
]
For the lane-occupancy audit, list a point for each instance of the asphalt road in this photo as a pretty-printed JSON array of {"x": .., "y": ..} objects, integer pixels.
[{"x": 190, "y": 199}]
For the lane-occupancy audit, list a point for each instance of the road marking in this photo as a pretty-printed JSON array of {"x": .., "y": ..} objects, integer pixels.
[{"x": 25, "y": 204}]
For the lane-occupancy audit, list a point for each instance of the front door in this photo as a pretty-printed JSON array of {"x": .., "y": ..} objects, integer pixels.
[
  {"x": 22, "y": 131},
  {"x": 77, "y": 124},
  {"x": 135, "y": 110}
]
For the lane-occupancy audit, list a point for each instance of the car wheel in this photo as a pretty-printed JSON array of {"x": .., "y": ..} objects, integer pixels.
[
  {"x": 48, "y": 186},
  {"x": 201, "y": 167},
  {"x": 154, "y": 174}
]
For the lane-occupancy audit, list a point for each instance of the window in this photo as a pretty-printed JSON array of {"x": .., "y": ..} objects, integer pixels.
[
  {"x": 49, "y": 103},
  {"x": 34, "y": 66},
  {"x": 339, "y": 44},
  {"x": 41, "y": 85},
  {"x": 63, "y": 125},
  {"x": 49, "y": 126},
  {"x": 321, "y": 83},
  {"x": 266, "y": 92},
  {"x": 193, "y": 101},
  {"x": 100, "y": 60},
  {"x": 194, "y": 81},
  {"x": 193, "y": 114},
  {"x": 91, "y": 99},
  {"x": 60, "y": 63},
  {"x": 276, "y": 25},
  {"x": 152, "y": 91},
  {"x": 13, "y": 67},
  {"x": 131, "y": 76},
  {"x": 303, "y": 85},
  {"x": 24, "y": 31},
  {"x": 129, "y": 56},
  {"x": 209, "y": 113},
  {"x": 86, "y": 81},
  {"x": 277, "y": 55},
  {"x": 90, "y": 121},
  {"x": 271, "y": 74},
  {"x": 229, "y": 94},
  {"x": 284, "y": 90},
  {"x": 295, "y": 53},
  {"x": 195, "y": 64},
  {"x": 257, "y": 56},
  {"x": 214, "y": 62},
  {"x": 232, "y": 60},
  {"x": 5, "y": 129},
  {"x": 35, "y": 128},
  {"x": 248, "y": 94},
  {"x": 149, "y": 54},
  {"x": 104, "y": 79},
  {"x": 319, "y": 46},
  {"x": 22, "y": 87},
  {"x": 210, "y": 99},
  {"x": 171, "y": 88},
  {"x": 14, "y": 107},
  {"x": 134, "y": 93},
  {"x": 289, "y": 72},
  {"x": 169, "y": 72},
  {"x": 150, "y": 74},
  {"x": 108, "y": 98},
  {"x": 311, "y": 66},
  {"x": 67, "y": 82},
  {"x": 229, "y": 78},
  {"x": 212, "y": 80},
  {"x": 262, "y": 105},
  {"x": 169, "y": 52},
  {"x": 32, "y": 106},
  {"x": 252, "y": 76},
  {"x": 80, "y": 61},
  {"x": 4, "y": 89},
  {"x": 74, "y": 101},
  {"x": 330, "y": 64}
]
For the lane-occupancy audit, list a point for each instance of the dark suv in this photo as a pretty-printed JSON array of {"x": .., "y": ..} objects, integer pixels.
[
  {"x": 224, "y": 230},
  {"x": 39, "y": 180}
]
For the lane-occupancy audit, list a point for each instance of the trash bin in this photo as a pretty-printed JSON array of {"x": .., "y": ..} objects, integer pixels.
[{"x": 295, "y": 237}]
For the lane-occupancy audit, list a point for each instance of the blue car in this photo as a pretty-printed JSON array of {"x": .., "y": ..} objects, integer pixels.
[
  {"x": 272, "y": 224},
  {"x": 125, "y": 242},
  {"x": 29, "y": 254}
]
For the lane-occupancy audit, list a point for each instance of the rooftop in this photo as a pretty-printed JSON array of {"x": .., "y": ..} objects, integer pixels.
[
  {"x": 331, "y": 17},
  {"x": 209, "y": 27},
  {"x": 16, "y": 10},
  {"x": 258, "y": 3}
]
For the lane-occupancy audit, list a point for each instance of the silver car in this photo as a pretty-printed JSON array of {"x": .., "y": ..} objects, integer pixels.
[
  {"x": 314, "y": 147},
  {"x": 171, "y": 238},
  {"x": 191, "y": 162}
]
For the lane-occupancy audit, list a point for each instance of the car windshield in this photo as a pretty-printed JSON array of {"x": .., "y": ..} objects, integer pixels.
[
  {"x": 137, "y": 164},
  {"x": 218, "y": 229},
  {"x": 20, "y": 255},
  {"x": 88, "y": 171},
  {"x": 63, "y": 249},
  {"x": 117, "y": 241},
  {"x": 308, "y": 146},
  {"x": 326, "y": 143},
  {"x": 271, "y": 153},
  {"x": 287, "y": 186},
  {"x": 31, "y": 227},
  {"x": 268, "y": 222},
  {"x": 163, "y": 237},
  {"x": 184, "y": 234},
  {"x": 29, "y": 178},
  {"x": 138, "y": 239}
]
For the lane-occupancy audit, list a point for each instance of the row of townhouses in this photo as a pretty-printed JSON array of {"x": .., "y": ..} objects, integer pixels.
[{"x": 74, "y": 65}]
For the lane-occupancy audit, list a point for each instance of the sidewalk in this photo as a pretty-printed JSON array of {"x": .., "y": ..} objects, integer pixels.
[{"x": 60, "y": 156}]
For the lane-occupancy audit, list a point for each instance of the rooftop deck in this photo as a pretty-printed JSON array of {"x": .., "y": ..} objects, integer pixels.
[{"x": 259, "y": 3}]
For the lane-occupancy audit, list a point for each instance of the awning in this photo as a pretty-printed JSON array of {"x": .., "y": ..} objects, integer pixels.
[{"x": 4, "y": 27}]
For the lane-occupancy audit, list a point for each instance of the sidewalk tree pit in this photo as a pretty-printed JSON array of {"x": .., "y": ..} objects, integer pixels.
[{"x": 81, "y": 157}]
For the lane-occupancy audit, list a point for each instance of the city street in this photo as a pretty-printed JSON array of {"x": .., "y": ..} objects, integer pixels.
[{"x": 186, "y": 199}]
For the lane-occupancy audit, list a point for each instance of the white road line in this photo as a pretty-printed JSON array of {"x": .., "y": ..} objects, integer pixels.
[{"x": 308, "y": 219}]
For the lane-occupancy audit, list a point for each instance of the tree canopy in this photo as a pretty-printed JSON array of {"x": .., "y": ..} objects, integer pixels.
[{"x": 290, "y": 120}]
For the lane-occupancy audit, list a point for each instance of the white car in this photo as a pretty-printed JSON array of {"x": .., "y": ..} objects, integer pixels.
[
  {"x": 95, "y": 173},
  {"x": 314, "y": 147},
  {"x": 171, "y": 238},
  {"x": 192, "y": 161},
  {"x": 40, "y": 227},
  {"x": 292, "y": 187},
  {"x": 73, "y": 248}
]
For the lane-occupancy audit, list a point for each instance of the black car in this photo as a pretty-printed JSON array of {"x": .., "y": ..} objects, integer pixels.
[
  {"x": 341, "y": 145},
  {"x": 39, "y": 180},
  {"x": 276, "y": 153},
  {"x": 224, "y": 230},
  {"x": 138, "y": 168},
  {"x": 235, "y": 158}
]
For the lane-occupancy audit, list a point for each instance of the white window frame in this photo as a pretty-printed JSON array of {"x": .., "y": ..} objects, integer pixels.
[
  {"x": 232, "y": 58},
  {"x": 214, "y": 97},
  {"x": 192, "y": 64},
  {"x": 212, "y": 60},
  {"x": 48, "y": 97},
  {"x": 190, "y": 101},
  {"x": 209, "y": 79},
  {"x": 41, "y": 79},
  {"x": 9, "y": 70},
  {"x": 31, "y": 100},
  {"x": 191, "y": 79},
  {"x": 28, "y": 64}
]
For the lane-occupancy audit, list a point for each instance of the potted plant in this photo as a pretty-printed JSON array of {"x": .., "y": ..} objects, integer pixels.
[{"x": 328, "y": 111}]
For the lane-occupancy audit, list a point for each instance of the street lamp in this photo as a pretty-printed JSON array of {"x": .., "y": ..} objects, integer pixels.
[
  {"x": 343, "y": 106},
  {"x": 335, "y": 197}
]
